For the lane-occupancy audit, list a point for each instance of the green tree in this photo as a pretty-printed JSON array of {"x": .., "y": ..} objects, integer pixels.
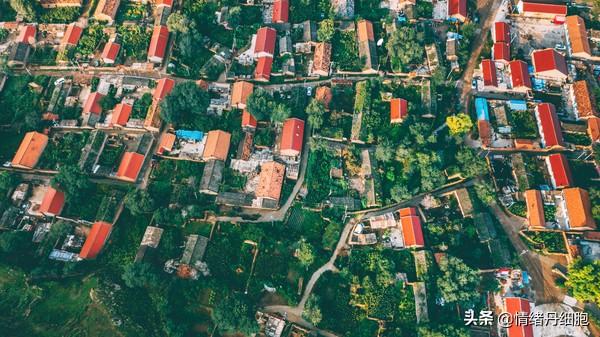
[
  {"x": 316, "y": 113},
  {"x": 326, "y": 30},
  {"x": 405, "y": 48},
  {"x": 485, "y": 192},
  {"x": 7, "y": 181},
  {"x": 73, "y": 181},
  {"x": 442, "y": 330},
  {"x": 280, "y": 113},
  {"x": 234, "y": 314},
  {"x": 384, "y": 152},
  {"x": 178, "y": 22},
  {"x": 459, "y": 124},
  {"x": 400, "y": 192},
  {"x": 139, "y": 201},
  {"x": 305, "y": 253},
  {"x": 458, "y": 282},
  {"x": 470, "y": 164},
  {"x": 25, "y": 8},
  {"x": 234, "y": 18},
  {"x": 584, "y": 280},
  {"x": 141, "y": 274},
  {"x": 331, "y": 235},
  {"x": 260, "y": 104},
  {"x": 14, "y": 242},
  {"x": 186, "y": 105},
  {"x": 312, "y": 310}
]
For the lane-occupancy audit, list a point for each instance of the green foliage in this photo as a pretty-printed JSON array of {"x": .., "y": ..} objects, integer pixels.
[
  {"x": 186, "y": 105},
  {"x": 312, "y": 311},
  {"x": 260, "y": 104},
  {"x": 316, "y": 114},
  {"x": 518, "y": 208},
  {"x": 8, "y": 180},
  {"x": 442, "y": 330},
  {"x": 73, "y": 181},
  {"x": 305, "y": 253},
  {"x": 345, "y": 51},
  {"x": 3, "y": 34},
  {"x": 20, "y": 104},
  {"x": 458, "y": 283},
  {"x": 26, "y": 8},
  {"x": 459, "y": 124},
  {"x": 234, "y": 314},
  {"x": 384, "y": 152},
  {"x": 470, "y": 164},
  {"x": 134, "y": 41},
  {"x": 14, "y": 242},
  {"x": 280, "y": 113},
  {"x": 60, "y": 15},
  {"x": 485, "y": 192},
  {"x": 139, "y": 201},
  {"x": 584, "y": 280},
  {"x": 524, "y": 124},
  {"x": 326, "y": 30},
  {"x": 140, "y": 274},
  {"x": 91, "y": 40},
  {"x": 140, "y": 106},
  {"x": 405, "y": 48},
  {"x": 178, "y": 22},
  {"x": 331, "y": 235}
]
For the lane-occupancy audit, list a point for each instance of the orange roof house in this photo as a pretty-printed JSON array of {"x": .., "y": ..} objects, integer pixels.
[
  {"x": 106, "y": 10},
  {"x": 92, "y": 104},
  {"x": 518, "y": 306},
  {"x": 582, "y": 100},
  {"x": 398, "y": 110},
  {"x": 281, "y": 11},
  {"x": 292, "y": 137},
  {"x": 166, "y": 143},
  {"x": 53, "y": 202},
  {"x": 412, "y": 232},
  {"x": 95, "y": 240},
  {"x": 130, "y": 167},
  {"x": 262, "y": 72},
  {"x": 322, "y": 59},
  {"x": 72, "y": 35},
  {"x": 30, "y": 150},
  {"x": 248, "y": 121},
  {"x": 323, "y": 94},
  {"x": 164, "y": 86},
  {"x": 27, "y": 34},
  {"x": 120, "y": 115},
  {"x": 240, "y": 92},
  {"x": 593, "y": 128},
  {"x": 158, "y": 44},
  {"x": 577, "y": 38},
  {"x": 367, "y": 49},
  {"x": 579, "y": 209},
  {"x": 270, "y": 180},
  {"x": 217, "y": 145},
  {"x": 110, "y": 52},
  {"x": 265, "y": 42},
  {"x": 535, "y": 208}
]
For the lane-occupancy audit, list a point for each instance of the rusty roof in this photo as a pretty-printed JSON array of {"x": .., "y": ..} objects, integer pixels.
[
  {"x": 217, "y": 145},
  {"x": 270, "y": 180},
  {"x": 583, "y": 100}
]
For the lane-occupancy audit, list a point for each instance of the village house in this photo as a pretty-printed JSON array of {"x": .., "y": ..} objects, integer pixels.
[
  {"x": 322, "y": 59},
  {"x": 167, "y": 141},
  {"x": 240, "y": 92},
  {"x": 535, "y": 209},
  {"x": 575, "y": 209},
  {"x": 518, "y": 306},
  {"x": 577, "y": 37},
  {"x": 270, "y": 184},
  {"x": 18, "y": 55},
  {"x": 292, "y": 137},
  {"x": 150, "y": 240},
  {"x": 110, "y": 52},
  {"x": 27, "y": 34},
  {"x": 457, "y": 9},
  {"x": 158, "y": 44},
  {"x": 593, "y": 128},
  {"x": 501, "y": 52},
  {"x": 92, "y": 109},
  {"x": 120, "y": 114},
  {"x": 262, "y": 72},
  {"x": 130, "y": 166},
  {"x": 367, "y": 50},
  {"x": 550, "y": 65},
  {"x": 217, "y": 145},
  {"x": 95, "y": 240},
  {"x": 548, "y": 125},
  {"x": 559, "y": 170},
  {"x": 490, "y": 79},
  {"x": 106, "y": 10},
  {"x": 323, "y": 94},
  {"x": 398, "y": 110},
  {"x": 541, "y": 10},
  {"x": 212, "y": 177},
  {"x": 72, "y": 35},
  {"x": 519, "y": 76},
  {"x": 249, "y": 123},
  {"x": 280, "y": 11},
  {"x": 31, "y": 149},
  {"x": 581, "y": 99},
  {"x": 53, "y": 202},
  {"x": 501, "y": 32},
  {"x": 164, "y": 86},
  {"x": 265, "y": 42}
]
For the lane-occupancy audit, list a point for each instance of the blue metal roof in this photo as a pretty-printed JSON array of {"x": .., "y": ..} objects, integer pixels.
[
  {"x": 189, "y": 134},
  {"x": 481, "y": 107},
  {"x": 517, "y": 105}
]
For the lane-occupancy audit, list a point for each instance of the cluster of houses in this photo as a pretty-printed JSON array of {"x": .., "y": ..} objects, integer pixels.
[{"x": 397, "y": 230}]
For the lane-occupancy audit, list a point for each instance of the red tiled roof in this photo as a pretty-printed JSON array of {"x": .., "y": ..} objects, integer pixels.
[
  {"x": 583, "y": 100},
  {"x": 549, "y": 125},
  {"x": 110, "y": 52},
  {"x": 270, "y": 180},
  {"x": 579, "y": 208},
  {"x": 364, "y": 31},
  {"x": 292, "y": 137},
  {"x": 281, "y": 11},
  {"x": 165, "y": 3},
  {"x": 263, "y": 68},
  {"x": 217, "y": 145},
  {"x": 163, "y": 88},
  {"x": 519, "y": 74},
  {"x": 248, "y": 121},
  {"x": 158, "y": 43},
  {"x": 501, "y": 51},
  {"x": 265, "y": 40},
  {"x": 121, "y": 113},
  {"x": 457, "y": 7},
  {"x": 559, "y": 170},
  {"x": 536, "y": 7},
  {"x": 166, "y": 143},
  {"x": 547, "y": 60},
  {"x": 92, "y": 103},
  {"x": 594, "y": 128},
  {"x": 53, "y": 202},
  {"x": 489, "y": 73},
  {"x": 72, "y": 35},
  {"x": 408, "y": 211},
  {"x": 130, "y": 167},
  {"x": 485, "y": 132},
  {"x": 412, "y": 231},
  {"x": 501, "y": 32},
  {"x": 535, "y": 208},
  {"x": 515, "y": 305},
  {"x": 95, "y": 240},
  {"x": 27, "y": 34},
  {"x": 577, "y": 35},
  {"x": 240, "y": 92},
  {"x": 398, "y": 109},
  {"x": 31, "y": 149}
]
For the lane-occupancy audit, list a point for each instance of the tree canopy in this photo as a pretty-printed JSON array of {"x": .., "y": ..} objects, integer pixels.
[
  {"x": 404, "y": 47},
  {"x": 584, "y": 280},
  {"x": 25, "y": 8},
  {"x": 139, "y": 201},
  {"x": 186, "y": 105},
  {"x": 234, "y": 314},
  {"x": 316, "y": 113},
  {"x": 312, "y": 311},
  {"x": 459, "y": 124},
  {"x": 458, "y": 282},
  {"x": 71, "y": 180},
  {"x": 260, "y": 104},
  {"x": 305, "y": 253},
  {"x": 326, "y": 30}
]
